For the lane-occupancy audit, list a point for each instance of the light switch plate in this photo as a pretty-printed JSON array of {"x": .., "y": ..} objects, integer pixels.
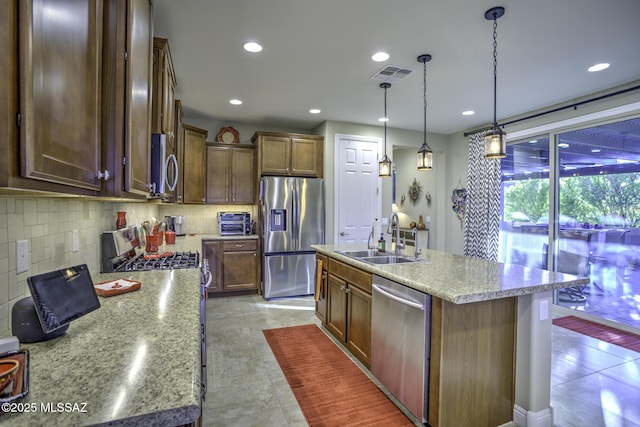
[
  {"x": 75, "y": 241},
  {"x": 22, "y": 256}
]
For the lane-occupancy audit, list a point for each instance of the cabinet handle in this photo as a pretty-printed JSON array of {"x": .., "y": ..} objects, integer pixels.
[
  {"x": 103, "y": 175},
  {"x": 346, "y": 291},
  {"x": 343, "y": 287}
]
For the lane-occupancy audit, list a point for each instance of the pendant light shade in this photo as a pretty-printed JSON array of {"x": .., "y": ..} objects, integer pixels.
[
  {"x": 384, "y": 165},
  {"x": 495, "y": 144},
  {"x": 425, "y": 154}
]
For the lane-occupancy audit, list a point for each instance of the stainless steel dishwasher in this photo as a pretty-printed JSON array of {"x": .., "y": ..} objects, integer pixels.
[{"x": 400, "y": 340}]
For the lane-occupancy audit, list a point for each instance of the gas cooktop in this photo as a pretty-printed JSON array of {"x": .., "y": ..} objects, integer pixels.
[{"x": 162, "y": 261}]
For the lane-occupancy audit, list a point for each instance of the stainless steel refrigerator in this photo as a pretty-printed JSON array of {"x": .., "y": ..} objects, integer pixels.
[{"x": 293, "y": 217}]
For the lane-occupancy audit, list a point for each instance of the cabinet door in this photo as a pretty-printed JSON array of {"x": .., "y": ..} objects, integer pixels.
[
  {"x": 60, "y": 71},
  {"x": 321, "y": 303},
  {"x": 194, "y": 165},
  {"x": 240, "y": 271},
  {"x": 304, "y": 157},
  {"x": 212, "y": 251},
  {"x": 337, "y": 307},
  {"x": 217, "y": 175},
  {"x": 275, "y": 153},
  {"x": 243, "y": 176},
  {"x": 164, "y": 83},
  {"x": 138, "y": 101},
  {"x": 359, "y": 324}
]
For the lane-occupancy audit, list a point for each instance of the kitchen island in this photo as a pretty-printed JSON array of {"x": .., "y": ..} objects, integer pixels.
[
  {"x": 489, "y": 359},
  {"x": 134, "y": 361}
]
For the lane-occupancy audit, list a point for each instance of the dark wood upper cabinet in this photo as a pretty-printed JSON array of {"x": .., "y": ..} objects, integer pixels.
[
  {"x": 289, "y": 154},
  {"x": 76, "y": 96},
  {"x": 194, "y": 164},
  {"x": 60, "y": 57},
  {"x": 231, "y": 174},
  {"x": 138, "y": 96}
]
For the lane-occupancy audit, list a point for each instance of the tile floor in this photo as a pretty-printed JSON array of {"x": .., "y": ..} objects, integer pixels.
[{"x": 593, "y": 383}]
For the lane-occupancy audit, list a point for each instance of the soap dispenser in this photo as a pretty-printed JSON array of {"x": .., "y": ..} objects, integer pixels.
[{"x": 381, "y": 243}]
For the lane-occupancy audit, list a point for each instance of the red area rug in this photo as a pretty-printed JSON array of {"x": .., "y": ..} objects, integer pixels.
[
  {"x": 331, "y": 390},
  {"x": 602, "y": 332}
]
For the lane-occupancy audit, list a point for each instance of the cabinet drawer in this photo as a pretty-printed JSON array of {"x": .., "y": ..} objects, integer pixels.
[
  {"x": 354, "y": 276},
  {"x": 240, "y": 245}
]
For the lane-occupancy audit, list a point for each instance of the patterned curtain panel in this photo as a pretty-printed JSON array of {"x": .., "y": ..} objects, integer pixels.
[{"x": 482, "y": 216}]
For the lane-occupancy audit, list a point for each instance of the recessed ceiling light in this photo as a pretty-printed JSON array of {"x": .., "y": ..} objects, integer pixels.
[
  {"x": 315, "y": 111},
  {"x": 252, "y": 47},
  {"x": 598, "y": 67},
  {"x": 380, "y": 56},
  {"x": 468, "y": 113},
  {"x": 383, "y": 119},
  {"x": 595, "y": 150},
  {"x": 235, "y": 102},
  {"x": 563, "y": 145}
]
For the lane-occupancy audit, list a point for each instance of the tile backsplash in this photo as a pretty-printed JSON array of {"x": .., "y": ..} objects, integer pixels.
[{"x": 46, "y": 223}]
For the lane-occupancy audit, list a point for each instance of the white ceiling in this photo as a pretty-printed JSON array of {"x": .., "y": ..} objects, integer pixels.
[{"x": 317, "y": 54}]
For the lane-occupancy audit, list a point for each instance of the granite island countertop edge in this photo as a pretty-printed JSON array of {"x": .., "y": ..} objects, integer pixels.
[{"x": 459, "y": 279}]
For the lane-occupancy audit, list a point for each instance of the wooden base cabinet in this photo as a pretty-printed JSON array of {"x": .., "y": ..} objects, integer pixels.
[
  {"x": 234, "y": 264},
  {"x": 472, "y": 348},
  {"x": 349, "y": 308},
  {"x": 472, "y": 367},
  {"x": 321, "y": 289}
]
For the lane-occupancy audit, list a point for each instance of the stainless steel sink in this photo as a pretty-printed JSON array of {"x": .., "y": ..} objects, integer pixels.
[
  {"x": 361, "y": 253},
  {"x": 386, "y": 259}
]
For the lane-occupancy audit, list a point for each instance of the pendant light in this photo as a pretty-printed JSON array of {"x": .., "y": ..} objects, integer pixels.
[
  {"x": 425, "y": 154},
  {"x": 384, "y": 165},
  {"x": 495, "y": 145}
]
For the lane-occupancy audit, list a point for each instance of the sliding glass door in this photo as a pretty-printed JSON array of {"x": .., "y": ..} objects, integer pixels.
[{"x": 573, "y": 206}]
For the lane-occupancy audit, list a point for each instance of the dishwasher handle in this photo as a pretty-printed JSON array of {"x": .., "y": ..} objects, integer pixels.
[{"x": 396, "y": 298}]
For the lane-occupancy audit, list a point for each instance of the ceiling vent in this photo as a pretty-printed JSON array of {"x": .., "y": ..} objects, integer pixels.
[{"x": 391, "y": 74}]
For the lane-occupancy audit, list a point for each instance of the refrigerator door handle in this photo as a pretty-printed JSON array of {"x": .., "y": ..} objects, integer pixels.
[{"x": 295, "y": 216}]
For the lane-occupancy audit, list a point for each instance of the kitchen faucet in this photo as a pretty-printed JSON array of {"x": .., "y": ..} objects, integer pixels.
[
  {"x": 399, "y": 245},
  {"x": 415, "y": 242}
]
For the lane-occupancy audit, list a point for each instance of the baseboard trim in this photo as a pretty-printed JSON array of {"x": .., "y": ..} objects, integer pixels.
[{"x": 525, "y": 418}]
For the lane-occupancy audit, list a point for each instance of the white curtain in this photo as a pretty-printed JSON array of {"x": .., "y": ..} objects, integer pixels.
[{"x": 482, "y": 216}]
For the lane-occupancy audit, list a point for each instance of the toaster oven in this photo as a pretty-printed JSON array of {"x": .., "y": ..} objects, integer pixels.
[{"x": 234, "y": 223}]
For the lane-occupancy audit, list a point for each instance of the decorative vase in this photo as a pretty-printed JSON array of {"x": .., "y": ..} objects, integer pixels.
[
  {"x": 421, "y": 225},
  {"x": 121, "y": 222}
]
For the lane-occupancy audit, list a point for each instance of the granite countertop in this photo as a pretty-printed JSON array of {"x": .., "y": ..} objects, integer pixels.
[
  {"x": 459, "y": 279},
  {"x": 135, "y": 360}
]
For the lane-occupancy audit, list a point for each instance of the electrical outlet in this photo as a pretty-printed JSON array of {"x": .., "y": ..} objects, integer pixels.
[
  {"x": 75, "y": 241},
  {"x": 22, "y": 256}
]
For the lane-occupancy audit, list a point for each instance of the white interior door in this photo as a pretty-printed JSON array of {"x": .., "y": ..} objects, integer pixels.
[{"x": 357, "y": 195}]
